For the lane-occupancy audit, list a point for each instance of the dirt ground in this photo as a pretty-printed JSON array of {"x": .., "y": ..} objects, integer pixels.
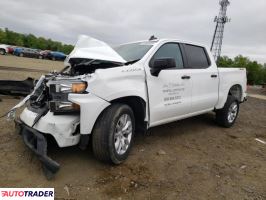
[{"x": 189, "y": 159}]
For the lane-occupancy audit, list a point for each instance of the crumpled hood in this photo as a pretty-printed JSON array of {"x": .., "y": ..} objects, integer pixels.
[{"x": 91, "y": 48}]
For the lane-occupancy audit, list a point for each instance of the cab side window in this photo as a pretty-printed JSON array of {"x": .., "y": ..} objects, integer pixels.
[
  {"x": 196, "y": 57},
  {"x": 170, "y": 50}
]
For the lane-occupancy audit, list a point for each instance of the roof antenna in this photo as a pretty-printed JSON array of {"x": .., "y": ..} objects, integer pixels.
[{"x": 153, "y": 38}]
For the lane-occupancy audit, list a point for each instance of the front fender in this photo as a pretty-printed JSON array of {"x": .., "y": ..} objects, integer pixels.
[
  {"x": 113, "y": 83},
  {"x": 91, "y": 107}
]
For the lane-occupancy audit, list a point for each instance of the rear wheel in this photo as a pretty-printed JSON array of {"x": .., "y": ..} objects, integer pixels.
[
  {"x": 113, "y": 134},
  {"x": 21, "y": 54},
  {"x": 227, "y": 116},
  {"x": 53, "y": 58}
]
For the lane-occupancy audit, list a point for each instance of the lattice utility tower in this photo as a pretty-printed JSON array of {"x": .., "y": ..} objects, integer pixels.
[{"x": 220, "y": 20}]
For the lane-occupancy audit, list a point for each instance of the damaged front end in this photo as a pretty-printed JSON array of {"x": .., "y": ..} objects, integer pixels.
[{"x": 49, "y": 112}]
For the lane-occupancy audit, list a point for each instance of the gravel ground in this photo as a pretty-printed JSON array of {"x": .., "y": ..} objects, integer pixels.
[{"x": 189, "y": 159}]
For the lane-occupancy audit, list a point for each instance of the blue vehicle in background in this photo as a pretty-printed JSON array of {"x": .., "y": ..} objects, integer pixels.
[
  {"x": 27, "y": 52},
  {"x": 17, "y": 51},
  {"x": 56, "y": 55}
]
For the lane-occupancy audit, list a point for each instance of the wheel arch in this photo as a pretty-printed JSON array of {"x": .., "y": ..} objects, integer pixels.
[
  {"x": 138, "y": 106},
  {"x": 236, "y": 91}
]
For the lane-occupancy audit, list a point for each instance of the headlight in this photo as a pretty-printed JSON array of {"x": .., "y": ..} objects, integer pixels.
[
  {"x": 79, "y": 87},
  {"x": 59, "y": 96},
  {"x": 71, "y": 87},
  {"x": 63, "y": 107}
]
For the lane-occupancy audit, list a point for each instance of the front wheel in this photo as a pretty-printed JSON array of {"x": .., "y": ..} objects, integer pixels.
[
  {"x": 2, "y": 52},
  {"x": 226, "y": 116},
  {"x": 113, "y": 134}
]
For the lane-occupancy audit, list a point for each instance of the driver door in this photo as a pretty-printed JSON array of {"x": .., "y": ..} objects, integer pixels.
[{"x": 170, "y": 92}]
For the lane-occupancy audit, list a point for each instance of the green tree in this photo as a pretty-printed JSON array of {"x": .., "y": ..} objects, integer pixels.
[
  {"x": 2, "y": 36},
  {"x": 225, "y": 62},
  {"x": 31, "y": 41},
  {"x": 256, "y": 73}
]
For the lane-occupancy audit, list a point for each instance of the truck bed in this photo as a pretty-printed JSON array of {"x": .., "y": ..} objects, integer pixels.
[{"x": 228, "y": 78}]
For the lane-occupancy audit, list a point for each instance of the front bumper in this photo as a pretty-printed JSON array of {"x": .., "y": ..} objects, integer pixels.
[
  {"x": 63, "y": 128},
  {"x": 37, "y": 143}
]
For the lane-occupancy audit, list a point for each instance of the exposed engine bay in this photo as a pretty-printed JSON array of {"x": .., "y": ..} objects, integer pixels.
[
  {"x": 52, "y": 94},
  {"x": 81, "y": 66}
]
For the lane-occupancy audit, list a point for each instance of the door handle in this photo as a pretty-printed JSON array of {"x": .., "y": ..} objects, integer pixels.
[
  {"x": 185, "y": 77},
  {"x": 214, "y": 76}
]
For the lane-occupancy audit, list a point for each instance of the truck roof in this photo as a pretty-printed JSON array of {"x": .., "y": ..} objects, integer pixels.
[{"x": 163, "y": 40}]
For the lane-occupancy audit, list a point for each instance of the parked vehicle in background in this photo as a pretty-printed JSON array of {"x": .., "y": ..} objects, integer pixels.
[
  {"x": 44, "y": 54},
  {"x": 11, "y": 49},
  {"x": 26, "y": 52},
  {"x": 56, "y": 55},
  {"x": 3, "y": 49},
  {"x": 17, "y": 51}
]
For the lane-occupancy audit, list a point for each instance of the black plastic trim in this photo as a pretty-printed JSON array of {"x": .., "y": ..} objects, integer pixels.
[{"x": 37, "y": 143}]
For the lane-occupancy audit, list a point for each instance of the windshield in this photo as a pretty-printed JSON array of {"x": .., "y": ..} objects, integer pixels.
[{"x": 133, "y": 51}]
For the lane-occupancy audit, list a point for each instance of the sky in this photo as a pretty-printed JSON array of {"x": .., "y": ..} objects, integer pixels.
[{"x": 121, "y": 21}]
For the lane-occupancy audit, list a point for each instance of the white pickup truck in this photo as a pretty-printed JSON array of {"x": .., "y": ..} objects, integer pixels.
[{"x": 107, "y": 94}]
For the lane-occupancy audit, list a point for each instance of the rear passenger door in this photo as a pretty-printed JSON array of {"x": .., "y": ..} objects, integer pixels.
[{"x": 204, "y": 77}]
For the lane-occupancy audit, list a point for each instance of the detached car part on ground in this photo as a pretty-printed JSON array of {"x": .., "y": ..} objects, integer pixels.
[
  {"x": 16, "y": 88},
  {"x": 107, "y": 94}
]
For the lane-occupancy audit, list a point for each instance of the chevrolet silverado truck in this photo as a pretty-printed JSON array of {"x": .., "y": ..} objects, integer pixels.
[{"x": 107, "y": 94}]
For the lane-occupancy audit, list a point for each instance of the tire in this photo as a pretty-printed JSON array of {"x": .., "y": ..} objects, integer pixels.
[
  {"x": 107, "y": 140},
  {"x": 2, "y": 52},
  {"x": 227, "y": 116},
  {"x": 21, "y": 55}
]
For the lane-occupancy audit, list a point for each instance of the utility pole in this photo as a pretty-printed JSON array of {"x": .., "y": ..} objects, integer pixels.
[{"x": 220, "y": 20}]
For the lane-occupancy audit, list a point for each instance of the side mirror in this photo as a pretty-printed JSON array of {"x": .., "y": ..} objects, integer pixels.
[{"x": 160, "y": 64}]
